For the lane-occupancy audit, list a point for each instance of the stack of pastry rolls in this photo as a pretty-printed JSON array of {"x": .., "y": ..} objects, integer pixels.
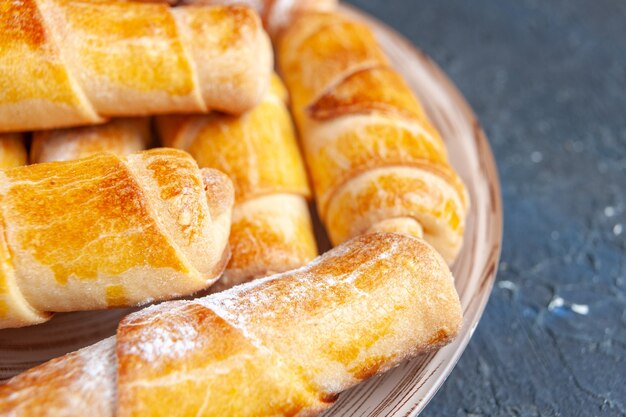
[
  {"x": 113, "y": 230},
  {"x": 284, "y": 345},
  {"x": 271, "y": 229},
  {"x": 111, "y": 226},
  {"x": 375, "y": 160}
]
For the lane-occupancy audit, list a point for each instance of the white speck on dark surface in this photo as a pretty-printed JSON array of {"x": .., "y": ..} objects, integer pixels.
[
  {"x": 507, "y": 285},
  {"x": 536, "y": 157},
  {"x": 556, "y": 302},
  {"x": 580, "y": 309}
]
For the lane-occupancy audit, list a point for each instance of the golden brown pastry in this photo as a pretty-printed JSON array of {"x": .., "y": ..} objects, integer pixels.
[
  {"x": 76, "y": 62},
  {"x": 12, "y": 150},
  {"x": 375, "y": 160},
  {"x": 107, "y": 231},
  {"x": 271, "y": 230},
  {"x": 285, "y": 345},
  {"x": 119, "y": 136},
  {"x": 276, "y": 14}
]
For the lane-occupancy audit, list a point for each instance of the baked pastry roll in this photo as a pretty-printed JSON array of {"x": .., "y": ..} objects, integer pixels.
[
  {"x": 376, "y": 161},
  {"x": 12, "y": 150},
  {"x": 119, "y": 136},
  {"x": 107, "y": 231},
  {"x": 77, "y": 62},
  {"x": 271, "y": 230},
  {"x": 284, "y": 345},
  {"x": 276, "y": 14}
]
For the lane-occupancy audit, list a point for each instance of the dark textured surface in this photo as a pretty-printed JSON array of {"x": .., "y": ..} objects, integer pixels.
[{"x": 547, "y": 79}]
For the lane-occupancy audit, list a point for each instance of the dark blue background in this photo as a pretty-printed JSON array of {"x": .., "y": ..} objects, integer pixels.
[{"x": 547, "y": 79}]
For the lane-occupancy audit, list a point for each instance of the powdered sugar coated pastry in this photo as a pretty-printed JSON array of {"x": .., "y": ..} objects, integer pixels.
[
  {"x": 284, "y": 345},
  {"x": 78, "y": 62},
  {"x": 107, "y": 231},
  {"x": 43, "y": 391}
]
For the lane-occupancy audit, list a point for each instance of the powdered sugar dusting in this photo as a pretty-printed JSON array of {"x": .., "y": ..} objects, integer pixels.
[
  {"x": 243, "y": 304},
  {"x": 83, "y": 380},
  {"x": 258, "y": 293},
  {"x": 148, "y": 314},
  {"x": 98, "y": 377},
  {"x": 386, "y": 254},
  {"x": 159, "y": 342},
  {"x": 171, "y": 330},
  {"x": 174, "y": 336},
  {"x": 98, "y": 359}
]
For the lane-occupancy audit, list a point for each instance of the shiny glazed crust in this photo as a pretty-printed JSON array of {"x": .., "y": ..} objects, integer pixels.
[
  {"x": 271, "y": 230},
  {"x": 285, "y": 345},
  {"x": 85, "y": 234},
  {"x": 269, "y": 234},
  {"x": 119, "y": 136},
  {"x": 97, "y": 59},
  {"x": 372, "y": 153},
  {"x": 257, "y": 150}
]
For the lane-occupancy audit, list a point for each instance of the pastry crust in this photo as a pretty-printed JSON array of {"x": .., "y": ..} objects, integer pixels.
[
  {"x": 271, "y": 230},
  {"x": 269, "y": 234},
  {"x": 12, "y": 150},
  {"x": 107, "y": 231},
  {"x": 276, "y": 14},
  {"x": 119, "y": 136},
  {"x": 372, "y": 153},
  {"x": 284, "y": 345},
  {"x": 97, "y": 59}
]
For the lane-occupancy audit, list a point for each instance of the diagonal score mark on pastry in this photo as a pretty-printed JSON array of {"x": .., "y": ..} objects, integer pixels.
[
  {"x": 119, "y": 136},
  {"x": 376, "y": 161},
  {"x": 12, "y": 150},
  {"x": 98, "y": 59},
  {"x": 271, "y": 230},
  {"x": 284, "y": 345},
  {"x": 276, "y": 14},
  {"x": 106, "y": 231}
]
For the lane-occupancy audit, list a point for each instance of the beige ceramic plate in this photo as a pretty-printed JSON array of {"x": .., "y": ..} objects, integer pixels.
[{"x": 405, "y": 390}]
